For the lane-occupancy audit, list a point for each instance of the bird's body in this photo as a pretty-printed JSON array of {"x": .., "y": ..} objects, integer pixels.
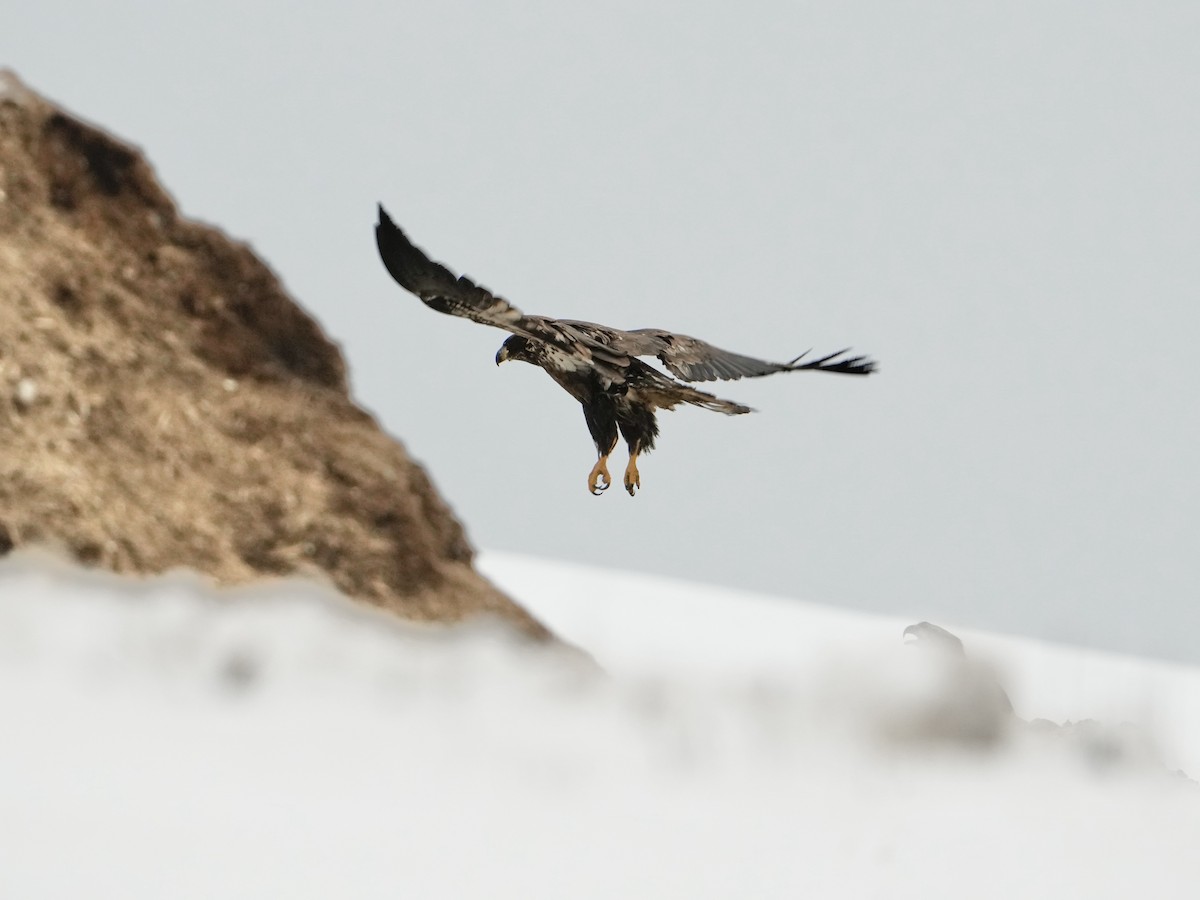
[
  {"x": 597, "y": 365},
  {"x": 608, "y": 408}
]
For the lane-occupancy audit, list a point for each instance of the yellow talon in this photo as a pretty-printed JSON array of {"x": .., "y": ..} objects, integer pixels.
[
  {"x": 633, "y": 480},
  {"x": 599, "y": 471}
]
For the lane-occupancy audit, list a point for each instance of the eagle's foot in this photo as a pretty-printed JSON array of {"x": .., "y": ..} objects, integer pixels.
[
  {"x": 599, "y": 480},
  {"x": 633, "y": 480}
]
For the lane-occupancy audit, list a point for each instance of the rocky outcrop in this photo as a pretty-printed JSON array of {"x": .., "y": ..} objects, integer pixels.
[{"x": 165, "y": 404}]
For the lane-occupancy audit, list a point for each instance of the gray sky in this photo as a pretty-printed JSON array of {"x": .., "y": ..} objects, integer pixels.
[{"x": 997, "y": 200}]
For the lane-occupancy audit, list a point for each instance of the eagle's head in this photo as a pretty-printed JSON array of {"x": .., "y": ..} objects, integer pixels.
[{"x": 516, "y": 347}]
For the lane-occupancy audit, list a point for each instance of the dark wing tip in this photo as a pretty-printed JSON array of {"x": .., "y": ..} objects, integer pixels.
[
  {"x": 836, "y": 362},
  {"x": 403, "y": 261}
]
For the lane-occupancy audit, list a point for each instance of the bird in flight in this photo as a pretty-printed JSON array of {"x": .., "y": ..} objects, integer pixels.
[{"x": 601, "y": 367}]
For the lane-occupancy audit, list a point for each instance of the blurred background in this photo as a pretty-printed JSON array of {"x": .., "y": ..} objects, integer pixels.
[{"x": 997, "y": 200}]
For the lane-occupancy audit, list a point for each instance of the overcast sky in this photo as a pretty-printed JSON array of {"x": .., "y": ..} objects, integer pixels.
[{"x": 997, "y": 200}]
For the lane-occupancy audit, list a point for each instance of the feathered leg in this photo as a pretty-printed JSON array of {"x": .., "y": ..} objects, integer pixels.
[
  {"x": 639, "y": 427},
  {"x": 602, "y": 423}
]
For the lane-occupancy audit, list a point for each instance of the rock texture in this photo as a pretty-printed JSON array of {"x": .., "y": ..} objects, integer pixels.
[{"x": 165, "y": 404}]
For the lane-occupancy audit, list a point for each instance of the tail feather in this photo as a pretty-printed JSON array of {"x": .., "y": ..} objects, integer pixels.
[{"x": 708, "y": 401}]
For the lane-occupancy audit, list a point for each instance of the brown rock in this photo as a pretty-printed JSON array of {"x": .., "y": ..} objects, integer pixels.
[{"x": 164, "y": 403}]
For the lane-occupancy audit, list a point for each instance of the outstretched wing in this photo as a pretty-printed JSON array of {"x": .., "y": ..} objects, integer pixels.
[
  {"x": 442, "y": 290},
  {"x": 692, "y": 359},
  {"x": 438, "y": 287},
  {"x": 607, "y": 350}
]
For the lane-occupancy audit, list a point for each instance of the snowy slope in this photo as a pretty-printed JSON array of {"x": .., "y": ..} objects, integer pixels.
[
  {"x": 634, "y": 623},
  {"x": 162, "y": 741}
]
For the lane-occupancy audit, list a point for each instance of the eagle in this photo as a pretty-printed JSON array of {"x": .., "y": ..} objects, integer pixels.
[{"x": 600, "y": 367}]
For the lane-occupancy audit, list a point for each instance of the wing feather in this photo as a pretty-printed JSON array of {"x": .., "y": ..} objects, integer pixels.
[
  {"x": 438, "y": 287},
  {"x": 574, "y": 343},
  {"x": 692, "y": 359}
]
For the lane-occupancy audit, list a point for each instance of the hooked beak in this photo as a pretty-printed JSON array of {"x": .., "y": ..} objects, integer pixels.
[{"x": 501, "y": 355}]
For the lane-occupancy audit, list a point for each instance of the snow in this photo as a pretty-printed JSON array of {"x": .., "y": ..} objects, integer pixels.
[
  {"x": 162, "y": 738},
  {"x": 641, "y": 624}
]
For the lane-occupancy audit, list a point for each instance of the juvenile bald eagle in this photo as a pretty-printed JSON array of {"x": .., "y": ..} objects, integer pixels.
[{"x": 597, "y": 365}]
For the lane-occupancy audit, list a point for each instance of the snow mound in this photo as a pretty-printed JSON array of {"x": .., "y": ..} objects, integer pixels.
[{"x": 167, "y": 738}]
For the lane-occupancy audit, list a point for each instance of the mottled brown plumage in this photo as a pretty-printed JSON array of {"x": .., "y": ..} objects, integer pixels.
[{"x": 597, "y": 365}]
